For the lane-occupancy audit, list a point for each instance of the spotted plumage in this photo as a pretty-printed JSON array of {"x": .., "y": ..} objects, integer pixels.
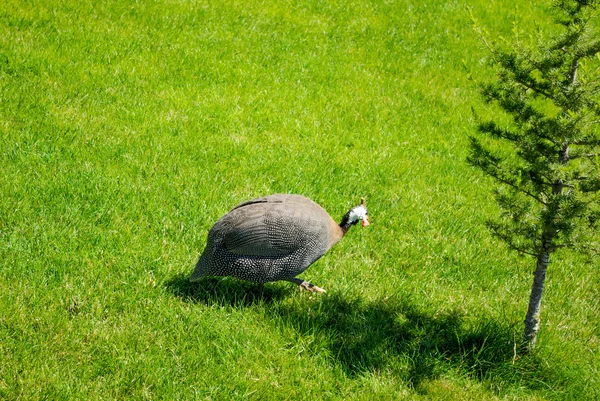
[{"x": 272, "y": 238}]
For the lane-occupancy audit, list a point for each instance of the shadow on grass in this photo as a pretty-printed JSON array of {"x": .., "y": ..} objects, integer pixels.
[
  {"x": 224, "y": 291},
  {"x": 392, "y": 335},
  {"x": 416, "y": 345}
]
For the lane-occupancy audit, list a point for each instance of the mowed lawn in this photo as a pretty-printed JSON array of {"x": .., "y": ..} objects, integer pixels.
[{"x": 127, "y": 128}]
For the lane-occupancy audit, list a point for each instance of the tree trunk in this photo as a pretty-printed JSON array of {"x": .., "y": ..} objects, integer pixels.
[{"x": 532, "y": 319}]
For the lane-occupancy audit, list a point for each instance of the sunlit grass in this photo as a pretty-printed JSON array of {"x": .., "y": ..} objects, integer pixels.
[{"x": 127, "y": 129}]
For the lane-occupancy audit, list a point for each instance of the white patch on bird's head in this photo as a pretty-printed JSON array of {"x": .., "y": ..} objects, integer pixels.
[{"x": 359, "y": 213}]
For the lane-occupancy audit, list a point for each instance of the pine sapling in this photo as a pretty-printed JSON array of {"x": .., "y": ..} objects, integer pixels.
[{"x": 545, "y": 158}]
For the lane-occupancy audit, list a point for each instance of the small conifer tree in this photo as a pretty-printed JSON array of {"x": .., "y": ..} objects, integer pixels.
[{"x": 545, "y": 156}]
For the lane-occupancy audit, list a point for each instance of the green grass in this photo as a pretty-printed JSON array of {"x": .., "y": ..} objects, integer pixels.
[{"x": 128, "y": 128}]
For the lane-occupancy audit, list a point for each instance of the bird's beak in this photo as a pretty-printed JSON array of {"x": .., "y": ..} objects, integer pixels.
[{"x": 365, "y": 221}]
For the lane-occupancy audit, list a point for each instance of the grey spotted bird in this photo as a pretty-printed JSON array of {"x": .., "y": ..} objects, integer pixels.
[{"x": 273, "y": 238}]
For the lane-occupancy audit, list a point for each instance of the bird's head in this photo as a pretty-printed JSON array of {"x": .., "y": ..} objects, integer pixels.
[{"x": 356, "y": 214}]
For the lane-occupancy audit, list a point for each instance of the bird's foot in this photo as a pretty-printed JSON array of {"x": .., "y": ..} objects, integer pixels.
[{"x": 310, "y": 287}]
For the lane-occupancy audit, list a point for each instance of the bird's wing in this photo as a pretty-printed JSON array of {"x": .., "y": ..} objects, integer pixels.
[
  {"x": 270, "y": 229},
  {"x": 246, "y": 231},
  {"x": 278, "y": 199}
]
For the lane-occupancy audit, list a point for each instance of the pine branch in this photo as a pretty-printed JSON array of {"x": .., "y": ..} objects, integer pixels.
[
  {"x": 530, "y": 83},
  {"x": 587, "y": 142},
  {"x": 497, "y": 132},
  {"x": 539, "y": 129},
  {"x": 582, "y": 156},
  {"x": 589, "y": 49},
  {"x": 494, "y": 173},
  {"x": 595, "y": 89},
  {"x": 564, "y": 245},
  {"x": 508, "y": 239}
]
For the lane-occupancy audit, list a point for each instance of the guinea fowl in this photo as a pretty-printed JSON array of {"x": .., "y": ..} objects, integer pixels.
[{"x": 273, "y": 238}]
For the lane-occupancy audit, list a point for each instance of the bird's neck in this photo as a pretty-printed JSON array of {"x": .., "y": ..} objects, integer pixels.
[{"x": 346, "y": 224}]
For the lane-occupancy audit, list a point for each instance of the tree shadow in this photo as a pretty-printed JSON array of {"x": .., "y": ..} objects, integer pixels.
[
  {"x": 224, "y": 291},
  {"x": 396, "y": 335}
]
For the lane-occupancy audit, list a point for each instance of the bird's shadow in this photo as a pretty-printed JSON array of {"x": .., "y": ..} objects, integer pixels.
[
  {"x": 416, "y": 344},
  {"x": 392, "y": 334},
  {"x": 225, "y": 291}
]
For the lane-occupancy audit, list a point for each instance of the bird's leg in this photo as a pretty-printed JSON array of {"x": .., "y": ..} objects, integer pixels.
[
  {"x": 306, "y": 285},
  {"x": 311, "y": 287}
]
